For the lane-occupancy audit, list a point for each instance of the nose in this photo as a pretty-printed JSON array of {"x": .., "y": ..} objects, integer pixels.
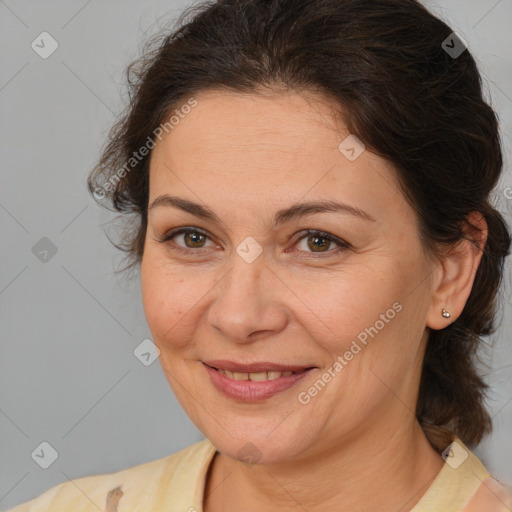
[{"x": 248, "y": 305}]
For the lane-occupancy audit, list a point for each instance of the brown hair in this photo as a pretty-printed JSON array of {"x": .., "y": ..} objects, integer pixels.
[{"x": 402, "y": 94}]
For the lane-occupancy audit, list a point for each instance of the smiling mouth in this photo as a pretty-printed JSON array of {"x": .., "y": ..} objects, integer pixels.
[{"x": 256, "y": 381}]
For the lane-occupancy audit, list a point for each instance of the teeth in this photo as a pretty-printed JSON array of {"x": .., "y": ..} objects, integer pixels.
[
  {"x": 255, "y": 376},
  {"x": 258, "y": 376}
]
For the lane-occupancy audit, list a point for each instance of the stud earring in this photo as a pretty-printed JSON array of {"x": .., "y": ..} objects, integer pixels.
[{"x": 446, "y": 314}]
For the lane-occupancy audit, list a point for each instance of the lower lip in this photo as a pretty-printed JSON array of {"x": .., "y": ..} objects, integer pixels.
[{"x": 252, "y": 391}]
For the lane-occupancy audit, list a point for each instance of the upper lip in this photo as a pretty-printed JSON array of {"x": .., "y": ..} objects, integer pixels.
[{"x": 260, "y": 366}]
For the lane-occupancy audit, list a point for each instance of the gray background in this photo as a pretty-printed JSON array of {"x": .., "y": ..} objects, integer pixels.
[{"x": 68, "y": 325}]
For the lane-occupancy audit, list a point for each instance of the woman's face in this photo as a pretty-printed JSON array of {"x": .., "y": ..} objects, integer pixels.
[{"x": 247, "y": 285}]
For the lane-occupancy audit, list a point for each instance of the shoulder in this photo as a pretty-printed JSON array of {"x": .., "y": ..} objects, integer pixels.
[
  {"x": 131, "y": 486},
  {"x": 491, "y": 496}
]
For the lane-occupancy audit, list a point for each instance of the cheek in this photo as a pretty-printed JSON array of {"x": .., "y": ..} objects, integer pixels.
[
  {"x": 345, "y": 303},
  {"x": 171, "y": 302},
  {"x": 160, "y": 296}
]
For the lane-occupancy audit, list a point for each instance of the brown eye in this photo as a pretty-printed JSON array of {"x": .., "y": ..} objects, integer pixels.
[
  {"x": 319, "y": 242},
  {"x": 185, "y": 239},
  {"x": 193, "y": 239}
]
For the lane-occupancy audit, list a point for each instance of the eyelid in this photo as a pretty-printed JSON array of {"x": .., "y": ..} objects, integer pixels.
[
  {"x": 183, "y": 230},
  {"x": 305, "y": 233},
  {"x": 321, "y": 234}
]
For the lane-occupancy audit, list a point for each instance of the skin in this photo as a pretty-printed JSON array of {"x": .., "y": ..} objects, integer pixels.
[
  {"x": 357, "y": 444},
  {"x": 492, "y": 496}
]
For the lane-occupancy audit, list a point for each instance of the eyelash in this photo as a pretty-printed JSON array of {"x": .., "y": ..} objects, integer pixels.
[{"x": 303, "y": 234}]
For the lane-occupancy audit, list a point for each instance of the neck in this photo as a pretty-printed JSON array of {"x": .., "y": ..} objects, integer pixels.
[{"x": 384, "y": 470}]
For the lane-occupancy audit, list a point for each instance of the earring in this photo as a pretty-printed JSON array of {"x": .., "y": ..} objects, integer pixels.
[{"x": 446, "y": 314}]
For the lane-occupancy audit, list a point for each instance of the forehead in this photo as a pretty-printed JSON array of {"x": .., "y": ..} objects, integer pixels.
[
  {"x": 240, "y": 148},
  {"x": 231, "y": 126}
]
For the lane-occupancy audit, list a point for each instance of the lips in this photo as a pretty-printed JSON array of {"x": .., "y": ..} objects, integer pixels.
[{"x": 255, "y": 381}]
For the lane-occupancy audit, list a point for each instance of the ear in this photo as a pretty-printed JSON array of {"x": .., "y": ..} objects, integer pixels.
[{"x": 456, "y": 273}]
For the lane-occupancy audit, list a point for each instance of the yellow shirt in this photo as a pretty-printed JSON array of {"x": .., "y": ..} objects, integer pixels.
[{"x": 175, "y": 483}]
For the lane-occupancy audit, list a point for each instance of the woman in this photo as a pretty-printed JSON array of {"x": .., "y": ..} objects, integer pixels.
[{"x": 319, "y": 259}]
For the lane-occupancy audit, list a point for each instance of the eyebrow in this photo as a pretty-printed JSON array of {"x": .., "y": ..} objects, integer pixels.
[{"x": 282, "y": 216}]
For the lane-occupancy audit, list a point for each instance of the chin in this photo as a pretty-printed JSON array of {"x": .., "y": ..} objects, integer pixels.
[{"x": 266, "y": 442}]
